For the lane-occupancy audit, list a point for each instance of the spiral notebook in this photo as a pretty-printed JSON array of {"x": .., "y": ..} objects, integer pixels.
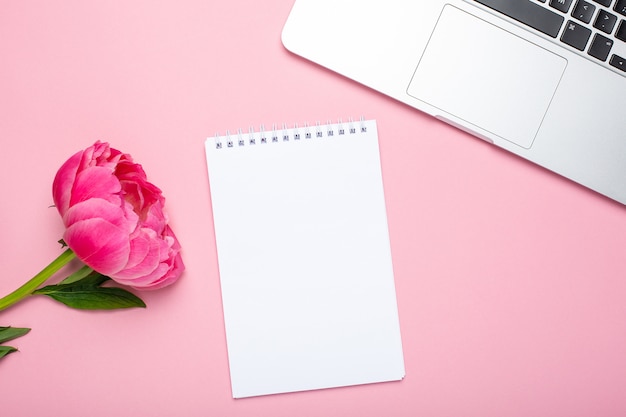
[{"x": 304, "y": 258}]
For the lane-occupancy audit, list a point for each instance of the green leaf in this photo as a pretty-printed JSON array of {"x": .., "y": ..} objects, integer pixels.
[
  {"x": 88, "y": 294},
  {"x": 96, "y": 298},
  {"x": 94, "y": 279},
  {"x": 5, "y": 350},
  {"x": 10, "y": 333},
  {"x": 83, "y": 272}
]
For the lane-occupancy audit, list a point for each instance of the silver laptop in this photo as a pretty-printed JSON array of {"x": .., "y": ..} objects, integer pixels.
[{"x": 544, "y": 79}]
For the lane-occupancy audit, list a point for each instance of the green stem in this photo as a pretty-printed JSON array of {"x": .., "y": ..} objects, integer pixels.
[{"x": 36, "y": 281}]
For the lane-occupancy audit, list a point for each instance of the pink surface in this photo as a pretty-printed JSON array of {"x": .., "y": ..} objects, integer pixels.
[{"x": 511, "y": 281}]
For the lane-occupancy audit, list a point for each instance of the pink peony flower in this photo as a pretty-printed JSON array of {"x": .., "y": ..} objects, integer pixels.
[{"x": 114, "y": 218}]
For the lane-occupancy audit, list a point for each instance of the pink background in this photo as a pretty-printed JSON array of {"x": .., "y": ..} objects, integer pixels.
[{"x": 511, "y": 280}]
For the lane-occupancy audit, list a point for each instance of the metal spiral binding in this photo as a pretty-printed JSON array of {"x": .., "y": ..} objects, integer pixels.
[{"x": 286, "y": 134}]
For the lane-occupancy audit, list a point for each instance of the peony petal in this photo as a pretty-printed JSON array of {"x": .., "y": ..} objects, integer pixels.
[
  {"x": 64, "y": 182},
  {"x": 100, "y": 154},
  {"x": 138, "y": 191},
  {"x": 169, "y": 233},
  {"x": 139, "y": 249},
  {"x": 155, "y": 219},
  {"x": 146, "y": 280},
  {"x": 167, "y": 271},
  {"x": 145, "y": 256},
  {"x": 130, "y": 171},
  {"x": 87, "y": 160},
  {"x": 100, "y": 244},
  {"x": 168, "y": 278},
  {"x": 95, "y": 182},
  {"x": 106, "y": 210}
]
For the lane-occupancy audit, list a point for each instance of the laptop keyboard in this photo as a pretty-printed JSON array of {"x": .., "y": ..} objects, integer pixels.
[{"x": 594, "y": 28}]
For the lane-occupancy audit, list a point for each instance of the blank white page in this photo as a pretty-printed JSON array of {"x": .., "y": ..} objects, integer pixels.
[{"x": 304, "y": 259}]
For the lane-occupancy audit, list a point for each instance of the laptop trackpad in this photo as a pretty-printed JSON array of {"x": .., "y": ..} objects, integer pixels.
[{"x": 487, "y": 76}]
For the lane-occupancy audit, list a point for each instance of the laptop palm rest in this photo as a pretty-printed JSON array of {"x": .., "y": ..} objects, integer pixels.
[{"x": 488, "y": 77}]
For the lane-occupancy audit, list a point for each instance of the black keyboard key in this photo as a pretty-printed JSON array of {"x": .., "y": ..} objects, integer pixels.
[
  {"x": 528, "y": 13},
  {"x": 618, "y": 62},
  {"x": 583, "y": 11},
  {"x": 605, "y": 3},
  {"x": 621, "y": 31},
  {"x": 561, "y": 5},
  {"x": 620, "y": 7},
  {"x": 600, "y": 47},
  {"x": 605, "y": 21},
  {"x": 575, "y": 35}
]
